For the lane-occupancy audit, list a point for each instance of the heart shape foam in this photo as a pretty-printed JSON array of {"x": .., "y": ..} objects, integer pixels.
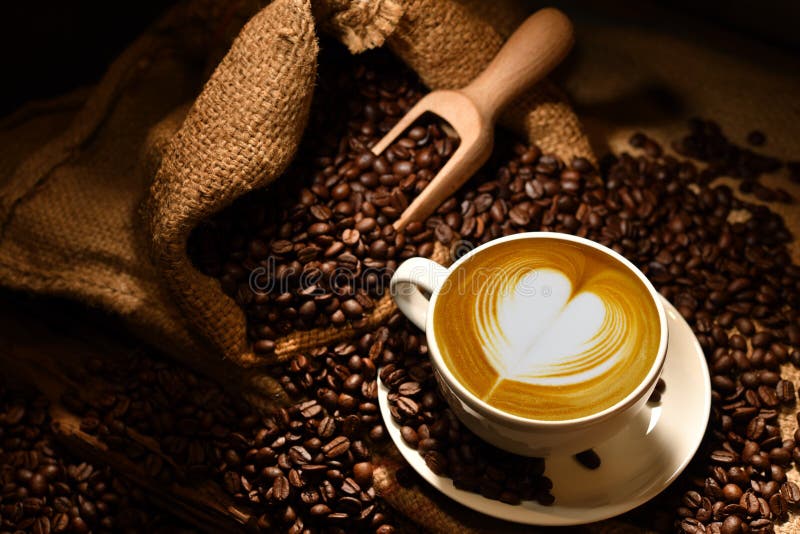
[
  {"x": 545, "y": 329},
  {"x": 535, "y": 328}
]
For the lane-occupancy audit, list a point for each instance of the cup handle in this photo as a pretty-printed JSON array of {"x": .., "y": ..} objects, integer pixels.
[{"x": 414, "y": 276}]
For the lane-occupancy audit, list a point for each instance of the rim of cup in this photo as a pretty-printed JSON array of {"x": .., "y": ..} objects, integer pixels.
[{"x": 480, "y": 405}]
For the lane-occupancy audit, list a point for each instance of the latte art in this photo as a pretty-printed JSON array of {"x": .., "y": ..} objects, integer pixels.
[{"x": 547, "y": 329}]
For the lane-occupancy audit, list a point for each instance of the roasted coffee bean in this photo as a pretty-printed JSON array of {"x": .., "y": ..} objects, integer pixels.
[
  {"x": 336, "y": 447},
  {"x": 310, "y": 409},
  {"x": 588, "y": 458},
  {"x": 785, "y": 392},
  {"x": 750, "y": 502},
  {"x": 732, "y": 492},
  {"x": 768, "y": 396},
  {"x": 350, "y": 487},
  {"x": 320, "y": 509},
  {"x": 326, "y": 427},
  {"x": 280, "y": 488},
  {"x": 745, "y": 326},
  {"x": 731, "y": 525},
  {"x": 435, "y": 461},
  {"x": 353, "y": 382},
  {"x": 790, "y": 492},
  {"x": 409, "y": 436},
  {"x": 761, "y": 526},
  {"x": 755, "y": 428},
  {"x": 409, "y": 389},
  {"x": 724, "y": 457},
  {"x": 407, "y": 406},
  {"x": 780, "y": 456},
  {"x": 691, "y": 525},
  {"x": 299, "y": 455},
  {"x": 362, "y": 472},
  {"x": 352, "y": 308},
  {"x": 769, "y": 488},
  {"x": 768, "y": 378}
]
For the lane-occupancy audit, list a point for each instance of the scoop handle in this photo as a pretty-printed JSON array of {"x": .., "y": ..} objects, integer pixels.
[{"x": 532, "y": 51}]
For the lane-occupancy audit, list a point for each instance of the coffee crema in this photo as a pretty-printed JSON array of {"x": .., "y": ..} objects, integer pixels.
[{"x": 546, "y": 329}]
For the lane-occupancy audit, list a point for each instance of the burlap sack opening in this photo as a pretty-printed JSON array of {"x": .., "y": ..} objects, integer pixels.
[
  {"x": 145, "y": 158},
  {"x": 223, "y": 149}
]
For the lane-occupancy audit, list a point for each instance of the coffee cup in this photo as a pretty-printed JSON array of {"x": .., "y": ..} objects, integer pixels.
[{"x": 541, "y": 342}]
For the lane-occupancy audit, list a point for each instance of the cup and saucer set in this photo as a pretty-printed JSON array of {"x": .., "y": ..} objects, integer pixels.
[{"x": 643, "y": 445}]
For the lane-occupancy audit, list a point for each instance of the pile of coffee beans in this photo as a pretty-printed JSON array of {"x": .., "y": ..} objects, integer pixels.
[
  {"x": 306, "y": 468},
  {"x": 532, "y": 191},
  {"x": 448, "y": 448},
  {"x": 318, "y": 248},
  {"x": 342, "y": 379},
  {"x": 721, "y": 261},
  {"x": 44, "y": 489}
]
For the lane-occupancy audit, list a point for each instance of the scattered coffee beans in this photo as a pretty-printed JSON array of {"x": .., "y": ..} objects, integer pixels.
[
  {"x": 707, "y": 143},
  {"x": 44, "y": 489},
  {"x": 307, "y": 466},
  {"x": 317, "y": 250}
]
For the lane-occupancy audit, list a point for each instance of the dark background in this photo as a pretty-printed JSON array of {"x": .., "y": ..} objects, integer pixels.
[{"x": 48, "y": 47}]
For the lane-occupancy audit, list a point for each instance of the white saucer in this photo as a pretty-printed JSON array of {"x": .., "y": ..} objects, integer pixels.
[{"x": 637, "y": 464}]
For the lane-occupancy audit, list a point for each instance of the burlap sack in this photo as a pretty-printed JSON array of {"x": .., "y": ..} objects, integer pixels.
[
  {"x": 73, "y": 186},
  {"x": 238, "y": 136},
  {"x": 79, "y": 194}
]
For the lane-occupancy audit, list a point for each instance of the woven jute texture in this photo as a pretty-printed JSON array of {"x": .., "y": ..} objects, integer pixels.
[{"x": 240, "y": 134}]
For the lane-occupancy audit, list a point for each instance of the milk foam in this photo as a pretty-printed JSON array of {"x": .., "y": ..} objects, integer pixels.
[{"x": 540, "y": 333}]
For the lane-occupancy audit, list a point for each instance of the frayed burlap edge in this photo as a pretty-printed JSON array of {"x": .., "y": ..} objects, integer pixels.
[{"x": 358, "y": 25}]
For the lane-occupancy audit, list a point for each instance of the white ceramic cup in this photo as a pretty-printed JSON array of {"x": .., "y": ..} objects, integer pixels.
[{"x": 520, "y": 435}]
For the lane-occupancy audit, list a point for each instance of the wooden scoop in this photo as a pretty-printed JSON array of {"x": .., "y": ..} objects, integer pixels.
[{"x": 532, "y": 51}]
